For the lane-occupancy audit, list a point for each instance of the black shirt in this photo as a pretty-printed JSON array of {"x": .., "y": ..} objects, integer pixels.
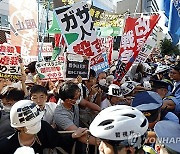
[{"x": 48, "y": 138}]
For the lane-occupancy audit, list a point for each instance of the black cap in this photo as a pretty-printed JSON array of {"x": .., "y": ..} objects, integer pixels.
[{"x": 156, "y": 84}]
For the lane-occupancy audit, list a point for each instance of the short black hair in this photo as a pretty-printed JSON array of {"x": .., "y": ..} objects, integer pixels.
[
  {"x": 15, "y": 94},
  {"x": 92, "y": 73},
  {"x": 67, "y": 91},
  {"x": 37, "y": 89},
  {"x": 32, "y": 66}
]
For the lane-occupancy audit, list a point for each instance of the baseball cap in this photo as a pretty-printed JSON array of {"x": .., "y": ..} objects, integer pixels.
[
  {"x": 159, "y": 84},
  {"x": 168, "y": 134},
  {"x": 147, "y": 100}
]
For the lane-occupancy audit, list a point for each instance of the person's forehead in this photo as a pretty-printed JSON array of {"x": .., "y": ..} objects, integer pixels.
[
  {"x": 175, "y": 71},
  {"x": 102, "y": 74},
  {"x": 2, "y": 79},
  {"x": 38, "y": 94}
]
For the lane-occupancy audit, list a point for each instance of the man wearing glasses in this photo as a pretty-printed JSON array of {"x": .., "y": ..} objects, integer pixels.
[{"x": 173, "y": 104}]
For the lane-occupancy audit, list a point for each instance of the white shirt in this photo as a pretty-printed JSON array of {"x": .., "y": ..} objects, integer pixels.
[
  {"x": 105, "y": 103},
  {"x": 49, "y": 112}
]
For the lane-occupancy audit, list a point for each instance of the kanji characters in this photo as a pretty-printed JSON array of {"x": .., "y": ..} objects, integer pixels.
[
  {"x": 127, "y": 55},
  {"x": 142, "y": 27},
  {"x": 83, "y": 48},
  {"x": 97, "y": 44},
  {"x": 128, "y": 40}
]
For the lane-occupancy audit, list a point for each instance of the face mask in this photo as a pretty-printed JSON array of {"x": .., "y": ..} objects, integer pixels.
[
  {"x": 102, "y": 82},
  {"x": 34, "y": 129},
  {"x": 7, "y": 108}
]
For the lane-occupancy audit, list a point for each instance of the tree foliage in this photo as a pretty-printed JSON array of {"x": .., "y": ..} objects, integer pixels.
[{"x": 167, "y": 48}]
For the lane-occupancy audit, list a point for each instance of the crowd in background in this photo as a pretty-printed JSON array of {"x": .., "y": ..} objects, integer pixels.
[{"x": 149, "y": 91}]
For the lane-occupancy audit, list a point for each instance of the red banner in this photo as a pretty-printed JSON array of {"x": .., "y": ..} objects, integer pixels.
[{"x": 135, "y": 34}]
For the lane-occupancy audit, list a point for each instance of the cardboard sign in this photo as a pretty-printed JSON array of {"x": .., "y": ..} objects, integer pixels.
[
  {"x": 52, "y": 70},
  {"x": 76, "y": 66},
  {"x": 9, "y": 61},
  {"x": 77, "y": 28}
]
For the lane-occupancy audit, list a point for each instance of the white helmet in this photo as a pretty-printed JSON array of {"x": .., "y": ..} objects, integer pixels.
[
  {"x": 25, "y": 113},
  {"x": 114, "y": 90},
  {"x": 127, "y": 88},
  {"x": 147, "y": 84},
  {"x": 120, "y": 124},
  {"x": 147, "y": 68},
  {"x": 161, "y": 68}
]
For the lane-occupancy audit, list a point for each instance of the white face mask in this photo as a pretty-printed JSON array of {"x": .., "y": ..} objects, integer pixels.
[
  {"x": 7, "y": 108},
  {"x": 34, "y": 129},
  {"x": 102, "y": 82}
]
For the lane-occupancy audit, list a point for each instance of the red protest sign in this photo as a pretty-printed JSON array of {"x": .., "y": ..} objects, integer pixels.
[{"x": 135, "y": 34}]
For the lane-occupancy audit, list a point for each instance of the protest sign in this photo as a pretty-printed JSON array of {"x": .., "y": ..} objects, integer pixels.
[
  {"x": 52, "y": 70},
  {"x": 99, "y": 63},
  {"x": 24, "y": 25},
  {"x": 76, "y": 65},
  {"x": 146, "y": 51},
  {"x": 77, "y": 28},
  {"x": 135, "y": 34},
  {"x": 9, "y": 61}
]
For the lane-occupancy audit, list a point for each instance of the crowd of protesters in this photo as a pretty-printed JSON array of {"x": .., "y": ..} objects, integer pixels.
[{"x": 139, "y": 114}]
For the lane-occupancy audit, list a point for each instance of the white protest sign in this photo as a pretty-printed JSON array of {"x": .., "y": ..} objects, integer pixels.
[
  {"x": 77, "y": 27},
  {"x": 146, "y": 50},
  {"x": 9, "y": 60},
  {"x": 52, "y": 70}
]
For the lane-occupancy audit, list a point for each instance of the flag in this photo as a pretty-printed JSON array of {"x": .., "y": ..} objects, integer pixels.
[
  {"x": 174, "y": 21},
  {"x": 54, "y": 29},
  {"x": 165, "y": 6},
  {"x": 135, "y": 34}
]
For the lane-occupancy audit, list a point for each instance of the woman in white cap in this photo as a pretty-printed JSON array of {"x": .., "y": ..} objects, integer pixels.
[{"x": 25, "y": 117}]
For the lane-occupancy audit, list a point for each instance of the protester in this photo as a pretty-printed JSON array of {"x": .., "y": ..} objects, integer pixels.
[
  {"x": 66, "y": 115},
  {"x": 38, "y": 95},
  {"x": 173, "y": 103},
  {"x": 25, "y": 117},
  {"x": 9, "y": 98},
  {"x": 114, "y": 96}
]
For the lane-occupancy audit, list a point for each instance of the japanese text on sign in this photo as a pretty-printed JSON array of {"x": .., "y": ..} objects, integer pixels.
[
  {"x": 75, "y": 68},
  {"x": 50, "y": 70},
  {"x": 77, "y": 26}
]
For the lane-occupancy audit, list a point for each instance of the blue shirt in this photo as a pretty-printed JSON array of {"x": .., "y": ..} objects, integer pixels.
[{"x": 176, "y": 98}]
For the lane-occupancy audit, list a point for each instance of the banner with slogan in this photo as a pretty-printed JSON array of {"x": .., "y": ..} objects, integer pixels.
[
  {"x": 95, "y": 12},
  {"x": 99, "y": 63},
  {"x": 107, "y": 19},
  {"x": 23, "y": 24},
  {"x": 107, "y": 46},
  {"x": 76, "y": 65},
  {"x": 9, "y": 61},
  {"x": 135, "y": 34},
  {"x": 77, "y": 27},
  {"x": 146, "y": 50},
  {"x": 52, "y": 70},
  {"x": 47, "y": 49}
]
